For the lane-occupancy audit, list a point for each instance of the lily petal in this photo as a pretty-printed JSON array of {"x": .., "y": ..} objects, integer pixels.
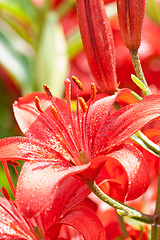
[
  {"x": 135, "y": 166},
  {"x": 37, "y": 125},
  {"x": 38, "y": 184},
  {"x": 125, "y": 122},
  {"x": 101, "y": 109},
  {"x": 90, "y": 228},
  {"x": 70, "y": 193},
  {"x": 27, "y": 149}
]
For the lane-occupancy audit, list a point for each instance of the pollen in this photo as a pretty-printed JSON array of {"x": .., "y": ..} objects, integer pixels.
[
  {"x": 54, "y": 112},
  {"x": 38, "y": 105},
  {"x": 83, "y": 104},
  {"x": 5, "y": 193},
  {"x": 13, "y": 163},
  {"x": 77, "y": 82},
  {"x": 47, "y": 91},
  {"x": 93, "y": 91}
]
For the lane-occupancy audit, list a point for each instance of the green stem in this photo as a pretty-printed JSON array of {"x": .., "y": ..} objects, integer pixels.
[
  {"x": 154, "y": 147},
  {"x": 138, "y": 69},
  {"x": 122, "y": 209},
  {"x": 122, "y": 226},
  {"x": 155, "y": 231},
  {"x": 65, "y": 7}
]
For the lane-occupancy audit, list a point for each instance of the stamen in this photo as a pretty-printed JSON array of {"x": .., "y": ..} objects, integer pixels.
[
  {"x": 38, "y": 105},
  {"x": 54, "y": 112},
  {"x": 13, "y": 163},
  {"x": 20, "y": 220},
  {"x": 5, "y": 193},
  {"x": 83, "y": 104},
  {"x": 76, "y": 141},
  {"x": 5, "y": 167},
  {"x": 93, "y": 91},
  {"x": 77, "y": 82},
  {"x": 48, "y": 91},
  {"x": 71, "y": 146}
]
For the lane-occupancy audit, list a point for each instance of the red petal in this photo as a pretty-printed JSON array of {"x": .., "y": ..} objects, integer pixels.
[
  {"x": 86, "y": 222},
  {"x": 113, "y": 188},
  {"x": 97, "y": 115},
  {"x": 103, "y": 108},
  {"x": 38, "y": 184},
  {"x": 26, "y": 149},
  {"x": 36, "y": 125},
  {"x": 125, "y": 122},
  {"x": 136, "y": 168},
  {"x": 70, "y": 193},
  {"x": 9, "y": 229}
]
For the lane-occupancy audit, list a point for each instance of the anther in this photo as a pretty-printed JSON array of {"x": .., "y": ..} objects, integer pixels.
[
  {"x": 93, "y": 91},
  {"x": 83, "y": 104},
  {"x": 5, "y": 193},
  {"x": 37, "y": 103},
  {"x": 13, "y": 163},
  {"x": 77, "y": 82},
  {"x": 47, "y": 91},
  {"x": 54, "y": 112}
]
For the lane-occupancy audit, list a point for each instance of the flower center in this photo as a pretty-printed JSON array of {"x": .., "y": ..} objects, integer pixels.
[{"x": 73, "y": 136}]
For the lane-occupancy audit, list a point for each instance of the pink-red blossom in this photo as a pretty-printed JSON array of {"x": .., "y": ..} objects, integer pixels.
[{"x": 60, "y": 143}]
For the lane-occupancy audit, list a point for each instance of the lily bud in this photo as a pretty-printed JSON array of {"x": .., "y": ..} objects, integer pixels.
[
  {"x": 131, "y": 14},
  {"x": 98, "y": 42}
]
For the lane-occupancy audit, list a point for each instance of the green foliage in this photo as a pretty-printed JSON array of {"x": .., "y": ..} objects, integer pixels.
[{"x": 52, "y": 56}]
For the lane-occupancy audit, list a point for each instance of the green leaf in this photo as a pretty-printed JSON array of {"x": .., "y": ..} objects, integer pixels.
[
  {"x": 75, "y": 45},
  {"x": 140, "y": 84},
  {"x": 22, "y": 9},
  {"x": 153, "y": 10},
  {"x": 24, "y": 23},
  {"x": 52, "y": 61},
  {"x": 15, "y": 61}
]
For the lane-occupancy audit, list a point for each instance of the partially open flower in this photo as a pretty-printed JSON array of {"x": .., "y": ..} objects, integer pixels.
[{"x": 131, "y": 14}]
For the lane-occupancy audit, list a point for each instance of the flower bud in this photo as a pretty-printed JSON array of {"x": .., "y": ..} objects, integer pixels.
[
  {"x": 131, "y": 14},
  {"x": 98, "y": 42}
]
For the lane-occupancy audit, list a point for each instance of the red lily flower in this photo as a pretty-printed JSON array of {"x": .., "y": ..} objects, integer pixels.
[
  {"x": 47, "y": 225},
  {"x": 60, "y": 143}
]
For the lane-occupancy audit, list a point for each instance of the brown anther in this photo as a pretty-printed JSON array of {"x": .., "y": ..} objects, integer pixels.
[
  {"x": 93, "y": 91},
  {"x": 13, "y": 163},
  {"x": 83, "y": 104},
  {"x": 38, "y": 105},
  {"x": 47, "y": 91},
  {"x": 5, "y": 193},
  {"x": 77, "y": 82},
  {"x": 54, "y": 112}
]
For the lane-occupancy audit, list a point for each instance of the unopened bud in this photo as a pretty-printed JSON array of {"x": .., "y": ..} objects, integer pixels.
[{"x": 131, "y": 14}]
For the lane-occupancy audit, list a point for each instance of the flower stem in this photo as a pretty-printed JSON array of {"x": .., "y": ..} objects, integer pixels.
[
  {"x": 154, "y": 147},
  {"x": 122, "y": 209},
  {"x": 138, "y": 69},
  {"x": 155, "y": 231},
  {"x": 122, "y": 226}
]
